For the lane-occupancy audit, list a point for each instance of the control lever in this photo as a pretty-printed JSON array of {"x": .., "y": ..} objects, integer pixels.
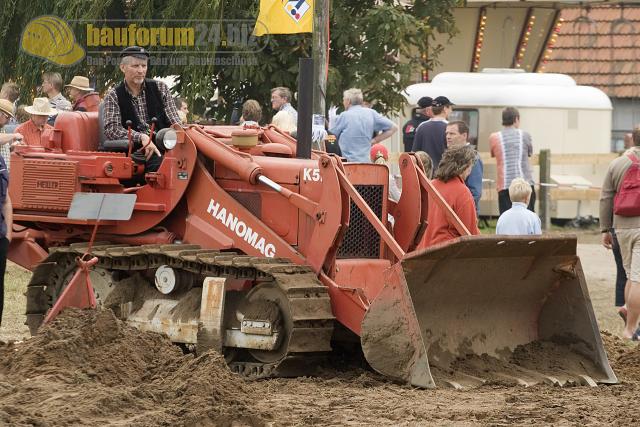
[
  {"x": 129, "y": 136},
  {"x": 154, "y": 120}
]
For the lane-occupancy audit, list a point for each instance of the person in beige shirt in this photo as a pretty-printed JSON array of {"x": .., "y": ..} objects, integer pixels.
[{"x": 628, "y": 232}]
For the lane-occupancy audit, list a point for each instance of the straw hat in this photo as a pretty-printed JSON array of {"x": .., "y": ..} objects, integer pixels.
[
  {"x": 6, "y": 107},
  {"x": 40, "y": 107},
  {"x": 80, "y": 83}
]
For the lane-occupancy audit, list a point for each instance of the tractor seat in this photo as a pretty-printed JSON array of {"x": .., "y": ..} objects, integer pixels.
[{"x": 118, "y": 145}]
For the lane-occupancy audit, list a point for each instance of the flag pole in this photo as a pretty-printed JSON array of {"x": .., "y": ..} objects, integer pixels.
[{"x": 320, "y": 54}]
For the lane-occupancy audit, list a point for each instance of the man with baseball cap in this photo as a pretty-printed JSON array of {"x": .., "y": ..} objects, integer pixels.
[
  {"x": 33, "y": 129},
  {"x": 139, "y": 100},
  {"x": 82, "y": 95},
  {"x": 430, "y": 135},
  {"x": 419, "y": 115}
]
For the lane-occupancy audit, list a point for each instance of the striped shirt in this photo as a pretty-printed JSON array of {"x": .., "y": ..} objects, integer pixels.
[
  {"x": 60, "y": 103},
  {"x": 292, "y": 111},
  {"x": 5, "y": 151},
  {"x": 512, "y": 148}
]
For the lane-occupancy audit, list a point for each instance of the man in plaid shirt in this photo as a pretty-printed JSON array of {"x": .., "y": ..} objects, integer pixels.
[{"x": 139, "y": 99}]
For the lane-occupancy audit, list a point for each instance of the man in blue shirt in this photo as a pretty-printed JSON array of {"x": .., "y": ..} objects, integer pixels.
[
  {"x": 519, "y": 221},
  {"x": 457, "y": 133},
  {"x": 355, "y": 127}
]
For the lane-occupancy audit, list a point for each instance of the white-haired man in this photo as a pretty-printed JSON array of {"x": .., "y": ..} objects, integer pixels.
[
  {"x": 139, "y": 99},
  {"x": 354, "y": 128},
  {"x": 281, "y": 103}
]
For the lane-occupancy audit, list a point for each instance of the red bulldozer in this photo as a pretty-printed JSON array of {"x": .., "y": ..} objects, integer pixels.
[{"x": 237, "y": 245}]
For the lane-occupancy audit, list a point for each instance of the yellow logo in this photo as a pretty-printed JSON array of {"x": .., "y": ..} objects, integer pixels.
[{"x": 51, "y": 38}]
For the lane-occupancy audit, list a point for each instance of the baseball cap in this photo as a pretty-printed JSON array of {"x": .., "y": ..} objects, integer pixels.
[
  {"x": 378, "y": 150},
  {"x": 135, "y": 51},
  {"x": 441, "y": 101},
  {"x": 425, "y": 102}
]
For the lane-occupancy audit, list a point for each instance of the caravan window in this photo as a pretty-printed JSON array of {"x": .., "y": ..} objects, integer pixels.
[{"x": 470, "y": 117}]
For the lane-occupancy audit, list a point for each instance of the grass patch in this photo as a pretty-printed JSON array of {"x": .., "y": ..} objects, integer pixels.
[{"x": 15, "y": 303}]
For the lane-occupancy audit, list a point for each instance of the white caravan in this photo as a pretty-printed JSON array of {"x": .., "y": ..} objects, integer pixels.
[{"x": 573, "y": 121}]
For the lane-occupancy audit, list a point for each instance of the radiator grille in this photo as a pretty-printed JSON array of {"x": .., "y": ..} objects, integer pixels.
[
  {"x": 361, "y": 239},
  {"x": 48, "y": 185}
]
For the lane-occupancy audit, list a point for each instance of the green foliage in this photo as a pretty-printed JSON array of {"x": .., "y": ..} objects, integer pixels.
[{"x": 376, "y": 45}]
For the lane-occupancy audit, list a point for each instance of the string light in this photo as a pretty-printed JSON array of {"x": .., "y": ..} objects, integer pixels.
[
  {"x": 551, "y": 43},
  {"x": 425, "y": 71},
  {"x": 479, "y": 40},
  {"x": 524, "y": 42}
]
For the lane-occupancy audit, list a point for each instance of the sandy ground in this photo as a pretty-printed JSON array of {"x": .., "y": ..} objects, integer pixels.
[{"x": 81, "y": 378}]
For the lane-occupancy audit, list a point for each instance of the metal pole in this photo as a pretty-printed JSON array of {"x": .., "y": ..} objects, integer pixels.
[
  {"x": 545, "y": 190},
  {"x": 305, "y": 101},
  {"x": 320, "y": 54}
]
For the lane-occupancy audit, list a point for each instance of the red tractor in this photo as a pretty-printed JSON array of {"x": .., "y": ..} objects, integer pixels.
[{"x": 236, "y": 244}]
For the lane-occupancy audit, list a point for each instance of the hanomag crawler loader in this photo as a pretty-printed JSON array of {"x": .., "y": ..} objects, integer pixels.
[{"x": 299, "y": 247}]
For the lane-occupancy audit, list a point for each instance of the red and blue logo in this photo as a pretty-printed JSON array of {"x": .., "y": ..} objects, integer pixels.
[{"x": 297, "y": 9}]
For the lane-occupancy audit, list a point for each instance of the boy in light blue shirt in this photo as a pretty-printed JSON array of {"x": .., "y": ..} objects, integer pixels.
[{"x": 519, "y": 220}]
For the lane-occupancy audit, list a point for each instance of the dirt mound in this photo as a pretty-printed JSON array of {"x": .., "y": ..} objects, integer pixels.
[
  {"x": 89, "y": 367},
  {"x": 624, "y": 357},
  {"x": 94, "y": 345}
]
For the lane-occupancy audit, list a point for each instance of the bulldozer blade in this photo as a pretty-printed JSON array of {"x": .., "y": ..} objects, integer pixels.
[
  {"x": 490, "y": 308},
  {"x": 390, "y": 336}
]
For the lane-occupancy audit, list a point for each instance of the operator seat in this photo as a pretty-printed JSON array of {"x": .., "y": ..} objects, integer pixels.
[{"x": 118, "y": 145}]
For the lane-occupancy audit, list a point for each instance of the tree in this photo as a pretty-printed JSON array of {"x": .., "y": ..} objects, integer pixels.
[{"x": 376, "y": 45}]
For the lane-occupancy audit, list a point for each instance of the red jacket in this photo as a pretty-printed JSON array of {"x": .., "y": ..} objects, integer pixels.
[
  {"x": 458, "y": 196},
  {"x": 89, "y": 102}
]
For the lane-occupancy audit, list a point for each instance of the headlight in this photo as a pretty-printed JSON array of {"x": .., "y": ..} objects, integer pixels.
[
  {"x": 167, "y": 137},
  {"x": 170, "y": 139}
]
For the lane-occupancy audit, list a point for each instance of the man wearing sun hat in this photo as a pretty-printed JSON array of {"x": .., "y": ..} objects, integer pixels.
[
  {"x": 82, "y": 95},
  {"x": 6, "y": 139},
  {"x": 33, "y": 129},
  {"x": 6, "y": 113}
]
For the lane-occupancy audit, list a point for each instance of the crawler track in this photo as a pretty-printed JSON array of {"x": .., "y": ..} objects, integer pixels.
[{"x": 311, "y": 318}]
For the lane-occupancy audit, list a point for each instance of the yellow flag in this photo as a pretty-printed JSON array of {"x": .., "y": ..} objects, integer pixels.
[{"x": 284, "y": 17}]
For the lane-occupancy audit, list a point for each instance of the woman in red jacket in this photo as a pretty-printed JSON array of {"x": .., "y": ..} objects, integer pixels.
[{"x": 453, "y": 169}]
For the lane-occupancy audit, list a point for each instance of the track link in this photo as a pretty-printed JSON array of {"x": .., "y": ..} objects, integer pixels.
[{"x": 309, "y": 302}]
